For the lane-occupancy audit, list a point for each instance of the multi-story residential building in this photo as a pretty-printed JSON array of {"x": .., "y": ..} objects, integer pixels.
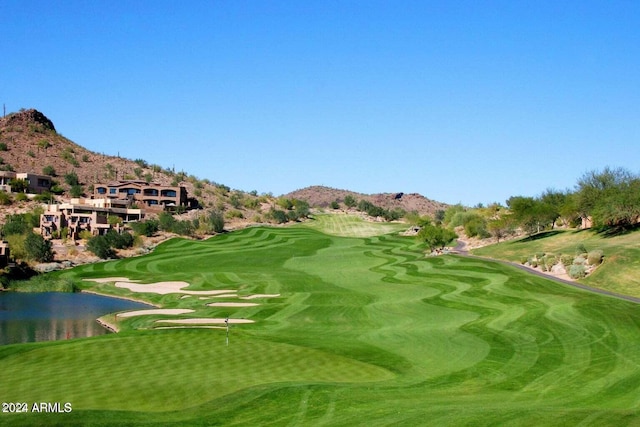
[
  {"x": 36, "y": 184},
  {"x": 85, "y": 215},
  {"x": 152, "y": 196}
]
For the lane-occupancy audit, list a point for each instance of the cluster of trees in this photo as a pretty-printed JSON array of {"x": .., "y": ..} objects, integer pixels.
[
  {"x": 291, "y": 210},
  {"x": 24, "y": 243},
  {"x": 610, "y": 199},
  {"x": 370, "y": 209}
]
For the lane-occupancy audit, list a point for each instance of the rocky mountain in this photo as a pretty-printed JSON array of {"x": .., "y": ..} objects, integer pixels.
[
  {"x": 320, "y": 196},
  {"x": 29, "y": 142}
]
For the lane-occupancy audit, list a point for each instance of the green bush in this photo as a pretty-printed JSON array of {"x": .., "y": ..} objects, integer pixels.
[
  {"x": 577, "y": 271},
  {"x": 580, "y": 260},
  {"x": 581, "y": 249},
  {"x": 21, "y": 197},
  {"x": 37, "y": 248},
  {"x": 595, "y": 257},
  {"x": 49, "y": 170},
  {"x": 5, "y": 198},
  {"x": 119, "y": 240},
  {"x": 145, "y": 228},
  {"x": 99, "y": 246}
]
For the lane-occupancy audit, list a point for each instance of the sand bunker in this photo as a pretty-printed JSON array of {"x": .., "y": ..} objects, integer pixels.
[
  {"x": 204, "y": 321},
  {"x": 161, "y": 288},
  {"x": 155, "y": 311},
  {"x": 232, "y": 304},
  {"x": 260, "y": 296}
]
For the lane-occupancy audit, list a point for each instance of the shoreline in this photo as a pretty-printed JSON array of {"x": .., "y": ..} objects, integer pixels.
[{"x": 108, "y": 325}]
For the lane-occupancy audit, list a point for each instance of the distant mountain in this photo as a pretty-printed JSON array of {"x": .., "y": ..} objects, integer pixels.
[
  {"x": 320, "y": 196},
  {"x": 29, "y": 142}
]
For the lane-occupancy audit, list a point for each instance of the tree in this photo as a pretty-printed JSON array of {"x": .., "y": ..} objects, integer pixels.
[
  {"x": 501, "y": 227},
  {"x": 166, "y": 221},
  {"x": 350, "y": 201},
  {"x": 436, "y": 237},
  {"x": 99, "y": 246},
  {"x": 145, "y": 228},
  {"x": 216, "y": 221},
  {"x": 37, "y": 248},
  {"x": 71, "y": 179},
  {"x": 18, "y": 185},
  {"x": 610, "y": 197}
]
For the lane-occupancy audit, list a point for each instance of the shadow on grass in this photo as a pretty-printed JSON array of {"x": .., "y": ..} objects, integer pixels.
[
  {"x": 541, "y": 235},
  {"x": 617, "y": 231}
]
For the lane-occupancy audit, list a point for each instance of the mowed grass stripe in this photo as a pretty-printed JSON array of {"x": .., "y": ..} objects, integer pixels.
[{"x": 417, "y": 339}]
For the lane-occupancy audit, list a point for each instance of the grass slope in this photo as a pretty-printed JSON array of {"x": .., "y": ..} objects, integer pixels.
[
  {"x": 618, "y": 273},
  {"x": 366, "y": 330}
]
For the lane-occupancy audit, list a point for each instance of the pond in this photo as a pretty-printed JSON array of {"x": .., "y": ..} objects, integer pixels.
[{"x": 47, "y": 316}]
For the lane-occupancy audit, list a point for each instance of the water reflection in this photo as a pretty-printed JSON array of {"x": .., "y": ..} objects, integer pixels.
[{"x": 26, "y": 317}]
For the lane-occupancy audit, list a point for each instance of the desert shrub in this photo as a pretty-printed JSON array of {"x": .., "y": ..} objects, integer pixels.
[
  {"x": 31, "y": 153},
  {"x": 335, "y": 205},
  {"x": 234, "y": 214},
  {"x": 16, "y": 243},
  {"x": 16, "y": 224},
  {"x": 3, "y": 146},
  {"x": 49, "y": 170},
  {"x": 580, "y": 260},
  {"x": 85, "y": 158},
  {"x": 183, "y": 228},
  {"x": 166, "y": 221},
  {"x": 44, "y": 197},
  {"x": 76, "y": 191},
  {"x": 581, "y": 249},
  {"x": 278, "y": 216},
  {"x": 549, "y": 260},
  {"x": 85, "y": 235},
  {"x": 577, "y": 271},
  {"x": 523, "y": 260},
  {"x": 99, "y": 246},
  {"x": 5, "y": 198},
  {"x": 119, "y": 240},
  {"x": 595, "y": 257},
  {"x": 145, "y": 228},
  {"x": 475, "y": 226},
  {"x": 21, "y": 197},
  {"x": 37, "y": 248},
  {"x": 251, "y": 203},
  {"x": 71, "y": 178}
]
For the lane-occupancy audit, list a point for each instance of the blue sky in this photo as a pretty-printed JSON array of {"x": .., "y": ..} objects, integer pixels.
[{"x": 460, "y": 101}]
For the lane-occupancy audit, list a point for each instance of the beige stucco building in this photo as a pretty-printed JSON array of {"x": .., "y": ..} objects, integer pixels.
[{"x": 152, "y": 196}]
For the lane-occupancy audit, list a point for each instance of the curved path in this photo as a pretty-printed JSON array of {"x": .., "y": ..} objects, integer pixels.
[{"x": 461, "y": 250}]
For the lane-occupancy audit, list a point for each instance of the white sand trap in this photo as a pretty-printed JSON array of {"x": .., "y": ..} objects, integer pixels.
[
  {"x": 164, "y": 288},
  {"x": 232, "y": 304},
  {"x": 110, "y": 279},
  {"x": 204, "y": 321},
  {"x": 161, "y": 288},
  {"x": 155, "y": 311},
  {"x": 260, "y": 296},
  {"x": 225, "y": 296}
]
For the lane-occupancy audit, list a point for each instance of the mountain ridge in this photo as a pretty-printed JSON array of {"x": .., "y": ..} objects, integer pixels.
[{"x": 29, "y": 142}]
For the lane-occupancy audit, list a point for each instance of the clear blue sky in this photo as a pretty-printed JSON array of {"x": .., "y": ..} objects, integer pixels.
[{"x": 461, "y": 101}]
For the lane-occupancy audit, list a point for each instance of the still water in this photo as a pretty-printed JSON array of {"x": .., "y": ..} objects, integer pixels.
[{"x": 29, "y": 317}]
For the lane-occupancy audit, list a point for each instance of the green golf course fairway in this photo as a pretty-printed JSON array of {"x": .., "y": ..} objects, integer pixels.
[{"x": 365, "y": 330}]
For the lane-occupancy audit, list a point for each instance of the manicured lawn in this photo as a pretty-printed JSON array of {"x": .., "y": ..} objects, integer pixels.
[
  {"x": 365, "y": 331},
  {"x": 619, "y": 273}
]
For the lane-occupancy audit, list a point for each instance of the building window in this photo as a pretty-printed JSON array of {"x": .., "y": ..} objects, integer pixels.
[
  {"x": 102, "y": 190},
  {"x": 113, "y": 191}
]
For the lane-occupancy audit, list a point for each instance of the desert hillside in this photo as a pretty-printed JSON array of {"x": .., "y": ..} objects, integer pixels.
[
  {"x": 29, "y": 142},
  {"x": 320, "y": 196}
]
